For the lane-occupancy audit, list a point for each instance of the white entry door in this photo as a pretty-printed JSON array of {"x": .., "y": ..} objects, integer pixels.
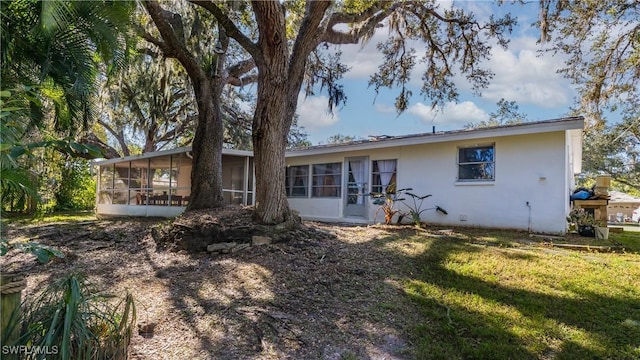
[{"x": 356, "y": 178}]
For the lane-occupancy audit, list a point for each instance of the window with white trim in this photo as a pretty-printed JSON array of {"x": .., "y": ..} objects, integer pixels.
[
  {"x": 476, "y": 163},
  {"x": 383, "y": 174},
  {"x": 326, "y": 180},
  {"x": 297, "y": 181}
]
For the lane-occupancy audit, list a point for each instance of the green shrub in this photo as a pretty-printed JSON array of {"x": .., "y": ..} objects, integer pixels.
[
  {"x": 77, "y": 189},
  {"x": 73, "y": 321}
]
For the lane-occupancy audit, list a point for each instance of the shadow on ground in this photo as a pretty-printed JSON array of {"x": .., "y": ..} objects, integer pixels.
[{"x": 349, "y": 293}]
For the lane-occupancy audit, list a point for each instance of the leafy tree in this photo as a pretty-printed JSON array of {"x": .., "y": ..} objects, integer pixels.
[
  {"x": 615, "y": 151},
  {"x": 150, "y": 106},
  {"x": 602, "y": 42},
  {"x": 77, "y": 188},
  {"x": 54, "y": 47},
  {"x": 287, "y": 42},
  {"x": 507, "y": 114},
  {"x": 339, "y": 139},
  {"x": 204, "y": 56},
  {"x": 17, "y": 185},
  {"x": 213, "y": 64}
]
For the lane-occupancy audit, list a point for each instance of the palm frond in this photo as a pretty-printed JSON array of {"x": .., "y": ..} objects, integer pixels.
[{"x": 73, "y": 315}]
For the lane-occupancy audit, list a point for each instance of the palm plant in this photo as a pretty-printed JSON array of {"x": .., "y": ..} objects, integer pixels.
[
  {"x": 72, "y": 320},
  {"x": 16, "y": 183},
  {"x": 56, "y": 47},
  {"x": 387, "y": 201},
  {"x": 18, "y": 188},
  {"x": 51, "y": 53}
]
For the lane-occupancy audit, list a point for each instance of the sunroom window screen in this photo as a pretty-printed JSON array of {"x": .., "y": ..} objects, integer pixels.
[
  {"x": 327, "y": 180},
  {"x": 297, "y": 180},
  {"x": 476, "y": 163}
]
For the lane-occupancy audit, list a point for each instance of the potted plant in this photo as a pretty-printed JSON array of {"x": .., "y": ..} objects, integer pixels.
[{"x": 583, "y": 221}]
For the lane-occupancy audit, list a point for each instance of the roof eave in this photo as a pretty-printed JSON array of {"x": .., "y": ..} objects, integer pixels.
[
  {"x": 510, "y": 130},
  {"x": 155, "y": 154}
]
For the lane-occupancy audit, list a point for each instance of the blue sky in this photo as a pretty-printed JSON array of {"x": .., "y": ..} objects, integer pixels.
[{"x": 522, "y": 75}]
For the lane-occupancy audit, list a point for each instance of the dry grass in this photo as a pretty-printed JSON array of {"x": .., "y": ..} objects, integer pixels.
[{"x": 330, "y": 297}]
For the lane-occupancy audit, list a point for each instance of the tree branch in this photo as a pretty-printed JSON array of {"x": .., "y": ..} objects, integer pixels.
[
  {"x": 171, "y": 41},
  {"x": 307, "y": 37},
  {"x": 241, "y": 68},
  {"x": 344, "y": 18},
  {"x": 232, "y": 30},
  {"x": 107, "y": 151},
  {"x": 369, "y": 19},
  {"x": 133, "y": 103},
  {"x": 153, "y": 40},
  {"x": 366, "y": 24},
  {"x": 242, "y": 81}
]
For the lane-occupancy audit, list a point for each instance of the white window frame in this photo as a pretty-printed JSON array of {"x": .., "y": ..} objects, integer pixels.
[
  {"x": 466, "y": 163},
  {"x": 290, "y": 188},
  {"x": 337, "y": 184},
  {"x": 381, "y": 187}
]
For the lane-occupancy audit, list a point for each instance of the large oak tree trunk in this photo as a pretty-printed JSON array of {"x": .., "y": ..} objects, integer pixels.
[
  {"x": 280, "y": 75},
  {"x": 206, "y": 174},
  {"x": 270, "y": 129},
  {"x": 271, "y": 120}
]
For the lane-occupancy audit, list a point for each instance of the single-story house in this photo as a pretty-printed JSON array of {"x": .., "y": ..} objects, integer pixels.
[
  {"x": 514, "y": 176},
  {"x": 621, "y": 205}
]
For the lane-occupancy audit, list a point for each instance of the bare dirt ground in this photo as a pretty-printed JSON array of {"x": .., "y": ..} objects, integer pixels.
[{"x": 330, "y": 292}]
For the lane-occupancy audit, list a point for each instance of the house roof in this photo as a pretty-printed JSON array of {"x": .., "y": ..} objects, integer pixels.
[
  {"x": 179, "y": 150},
  {"x": 534, "y": 127},
  {"x": 620, "y": 197}
]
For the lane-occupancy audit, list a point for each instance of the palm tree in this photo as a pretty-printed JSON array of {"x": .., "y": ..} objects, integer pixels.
[
  {"x": 58, "y": 46},
  {"x": 51, "y": 55}
]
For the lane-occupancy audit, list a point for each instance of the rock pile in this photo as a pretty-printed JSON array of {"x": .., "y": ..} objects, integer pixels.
[{"x": 225, "y": 230}]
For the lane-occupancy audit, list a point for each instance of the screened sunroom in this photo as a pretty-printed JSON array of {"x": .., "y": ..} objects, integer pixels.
[{"x": 159, "y": 183}]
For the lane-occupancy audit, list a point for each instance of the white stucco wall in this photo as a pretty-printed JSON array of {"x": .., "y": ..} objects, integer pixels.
[{"x": 528, "y": 169}]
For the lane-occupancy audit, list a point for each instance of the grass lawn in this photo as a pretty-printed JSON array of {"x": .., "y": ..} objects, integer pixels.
[
  {"x": 485, "y": 295},
  {"x": 60, "y": 216}
]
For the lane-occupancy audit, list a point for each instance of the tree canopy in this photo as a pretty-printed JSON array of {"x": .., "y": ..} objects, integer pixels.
[
  {"x": 56, "y": 47},
  {"x": 506, "y": 114},
  {"x": 602, "y": 42}
]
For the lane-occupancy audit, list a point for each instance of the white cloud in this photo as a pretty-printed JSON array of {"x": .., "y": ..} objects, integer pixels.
[
  {"x": 363, "y": 61},
  {"x": 526, "y": 77},
  {"x": 453, "y": 115},
  {"x": 313, "y": 112},
  {"x": 385, "y": 109},
  {"x": 482, "y": 10},
  {"x": 522, "y": 74}
]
